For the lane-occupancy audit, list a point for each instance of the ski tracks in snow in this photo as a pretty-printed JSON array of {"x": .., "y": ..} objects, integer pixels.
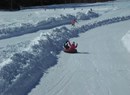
[{"x": 65, "y": 78}]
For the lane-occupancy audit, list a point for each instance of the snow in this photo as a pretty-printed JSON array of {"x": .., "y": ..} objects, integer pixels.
[
  {"x": 32, "y": 61},
  {"x": 23, "y": 28},
  {"x": 98, "y": 73},
  {"x": 126, "y": 40}
]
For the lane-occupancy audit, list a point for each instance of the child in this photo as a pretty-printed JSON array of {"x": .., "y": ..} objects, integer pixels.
[{"x": 66, "y": 46}]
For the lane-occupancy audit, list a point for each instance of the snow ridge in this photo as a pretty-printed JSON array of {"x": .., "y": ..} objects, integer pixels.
[
  {"x": 11, "y": 49},
  {"x": 30, "y": 64},
  {"x": 24, "y": 28}
]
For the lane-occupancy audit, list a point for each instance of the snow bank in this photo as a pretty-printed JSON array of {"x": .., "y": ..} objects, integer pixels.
[
  {"x": 126, "y": 40},
  {"x": 16, "y": 29},
  {"x": 90, "y": 14},
  {"x": 29, "y": 65},
  {"x": 9, "y": 50}
]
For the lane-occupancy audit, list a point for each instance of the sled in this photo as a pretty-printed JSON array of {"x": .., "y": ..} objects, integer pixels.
[{"x": 70, "y": 51}]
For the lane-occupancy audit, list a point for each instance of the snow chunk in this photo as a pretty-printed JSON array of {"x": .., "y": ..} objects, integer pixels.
[{"x": 5, "y": 62}]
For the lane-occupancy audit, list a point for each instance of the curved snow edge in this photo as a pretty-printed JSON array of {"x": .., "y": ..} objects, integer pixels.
[
  {"x": 126, "y": 40},
  {"x": 30, "y": 65}
]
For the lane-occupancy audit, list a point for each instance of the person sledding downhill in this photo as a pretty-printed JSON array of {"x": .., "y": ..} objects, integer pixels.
[{"x": 70, "y": 47}]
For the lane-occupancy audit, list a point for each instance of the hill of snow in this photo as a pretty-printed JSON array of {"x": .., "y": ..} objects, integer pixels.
[{"x": 32, "y": 41}]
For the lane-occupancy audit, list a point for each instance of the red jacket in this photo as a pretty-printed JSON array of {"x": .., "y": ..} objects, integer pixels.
[{"x": 72, "y": 46}]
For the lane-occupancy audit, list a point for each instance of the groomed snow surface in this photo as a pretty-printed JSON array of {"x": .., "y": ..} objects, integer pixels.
[{"x": 32, "y": 61}]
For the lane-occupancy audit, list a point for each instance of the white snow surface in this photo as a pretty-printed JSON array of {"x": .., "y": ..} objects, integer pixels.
[
  {"x": 126, "y": 40},
  {"x": 32, "y": 61}
]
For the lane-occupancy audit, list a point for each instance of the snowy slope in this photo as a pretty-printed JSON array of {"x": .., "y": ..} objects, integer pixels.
[
  {"x": 101, "y": 67},
  {"x": 32, "y": 43}
]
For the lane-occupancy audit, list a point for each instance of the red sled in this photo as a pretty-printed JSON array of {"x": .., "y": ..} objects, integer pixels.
[{"x": 70, "y": 50}]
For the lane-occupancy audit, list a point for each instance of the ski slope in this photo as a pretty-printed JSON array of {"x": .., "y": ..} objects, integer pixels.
[
  {"x": 101, "y": 67},
  {"x": 32, "y": 61}
]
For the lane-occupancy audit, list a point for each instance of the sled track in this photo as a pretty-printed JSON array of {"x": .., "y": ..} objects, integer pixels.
[
  {"x": 26, "y": 62},
  {"x": 67, "y": 77}
]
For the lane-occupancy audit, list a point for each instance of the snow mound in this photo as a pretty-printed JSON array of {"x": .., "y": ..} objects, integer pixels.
[
  {"x": 9, "y": 50},
  {"x": 126, "y": 40},
  {"x": 87, "y": 16}
]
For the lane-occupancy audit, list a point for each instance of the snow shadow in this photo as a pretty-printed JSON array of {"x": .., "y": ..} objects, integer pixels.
[
  {"x": 82, "y": 53},
  {"x": 79, "y": 53}
]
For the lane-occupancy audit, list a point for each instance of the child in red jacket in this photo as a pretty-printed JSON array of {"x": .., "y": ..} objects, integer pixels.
[{"x": 72, "y": 47}]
